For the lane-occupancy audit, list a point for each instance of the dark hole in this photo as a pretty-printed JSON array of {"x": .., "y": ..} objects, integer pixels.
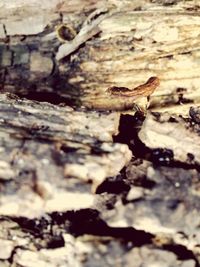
[
  {"x": 66, "y": 32},
  {"x": 56, "y": 242},
  {"x": 113, "y": 187}
]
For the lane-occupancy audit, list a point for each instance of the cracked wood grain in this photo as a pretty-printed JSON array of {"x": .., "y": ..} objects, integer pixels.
[
  {"x": 135, "y": 42},
  {"x": 48, "y": 152}
]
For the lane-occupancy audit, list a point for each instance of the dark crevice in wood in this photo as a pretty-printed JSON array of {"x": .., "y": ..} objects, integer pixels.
[
  {"x": 50, "y": 97},
  {"x": 182, "y": 253},
  {"x": 88, "y": 221},
  {"x": 128, "y": 134},
  {"x": 85, "y": 221}
]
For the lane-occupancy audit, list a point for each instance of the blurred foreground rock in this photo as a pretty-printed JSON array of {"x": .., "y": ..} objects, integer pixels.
[
  {"x": 66, "y": 199},
  {"x": 70, "y": 195},
  {"x": 49, "y": 153}
]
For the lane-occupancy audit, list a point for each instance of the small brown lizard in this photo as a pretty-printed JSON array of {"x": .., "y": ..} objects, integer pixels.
[
  {"x": 145, "y": 89},
  {"x": 123, "y": 98},
  {"x": 136, "y": 98}
]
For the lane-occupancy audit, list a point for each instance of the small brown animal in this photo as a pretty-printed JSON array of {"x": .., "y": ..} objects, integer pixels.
[{"x": 145, "y": 89}]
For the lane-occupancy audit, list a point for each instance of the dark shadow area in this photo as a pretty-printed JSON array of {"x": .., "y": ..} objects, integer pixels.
[
  {"x": 128, "y": 134},
  {"x": 50, "y": 97},
  {"x": 88, "y": 221},
  {"x": 182, "y": 253},
  {"x": 116, "y": 185}
]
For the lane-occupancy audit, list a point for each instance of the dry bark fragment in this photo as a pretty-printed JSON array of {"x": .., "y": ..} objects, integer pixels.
[
  {"x": 49, "y": 153},
  {"x": 168, "y": 207},
  {"x": 172, "y": 132},
  {"x": 138, "y": 40}
]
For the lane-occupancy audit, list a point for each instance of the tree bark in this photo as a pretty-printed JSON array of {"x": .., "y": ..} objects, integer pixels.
[
  {"x": 133, "y": 41},
  {"x": 88, "y": 188}
]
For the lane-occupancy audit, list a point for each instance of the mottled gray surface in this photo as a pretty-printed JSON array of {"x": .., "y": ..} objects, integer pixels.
[{"x": 63, "y": 200}]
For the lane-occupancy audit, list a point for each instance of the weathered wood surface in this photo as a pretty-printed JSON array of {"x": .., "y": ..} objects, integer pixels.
[
  {"x": 43, "y": 146},
  {"x": 175, "y": 133},
  {"x": 136, "y": 40},
  {"x": 53, "y": 159}
]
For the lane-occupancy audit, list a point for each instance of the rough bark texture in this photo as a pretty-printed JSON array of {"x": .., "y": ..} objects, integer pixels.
[
  {"x": 71, "y": 191},
  {"x": 133, "y": 41}
]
